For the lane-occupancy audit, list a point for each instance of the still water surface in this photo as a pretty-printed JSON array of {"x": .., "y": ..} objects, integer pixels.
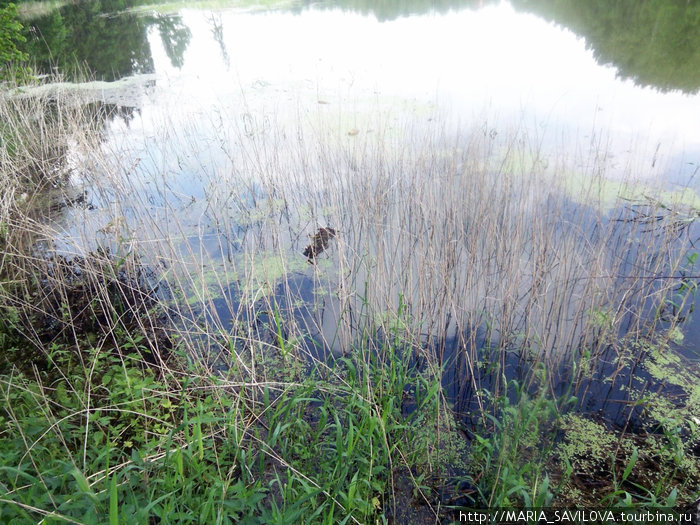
[
  {"x": 191, "y": 80},
  {"x": 498, "y": 62}
]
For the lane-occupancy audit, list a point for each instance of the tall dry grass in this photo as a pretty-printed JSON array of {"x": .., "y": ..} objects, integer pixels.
[{"x": 491, "y": 250}]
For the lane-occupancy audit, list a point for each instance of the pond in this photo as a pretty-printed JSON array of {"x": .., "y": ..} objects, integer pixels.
[{"x": 467, "y": 155}]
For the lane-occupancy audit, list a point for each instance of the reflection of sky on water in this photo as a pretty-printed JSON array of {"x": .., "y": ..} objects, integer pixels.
[
  {"x": 512, "y": 69},
  {"x": 264, "y": 74},
  {"x": 246, "y": 75}
]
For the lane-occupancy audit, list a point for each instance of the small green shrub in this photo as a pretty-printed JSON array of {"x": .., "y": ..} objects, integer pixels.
[{"x": 10, "y": 55}]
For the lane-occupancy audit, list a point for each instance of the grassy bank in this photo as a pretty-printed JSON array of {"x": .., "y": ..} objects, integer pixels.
[{"x": 169, "y": 351}]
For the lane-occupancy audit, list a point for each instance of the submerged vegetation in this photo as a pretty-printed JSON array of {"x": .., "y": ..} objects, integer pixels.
[{"x": 475, "y": 335}]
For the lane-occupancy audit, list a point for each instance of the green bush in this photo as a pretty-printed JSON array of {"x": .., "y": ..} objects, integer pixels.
[{"x": 10, "y": 56}]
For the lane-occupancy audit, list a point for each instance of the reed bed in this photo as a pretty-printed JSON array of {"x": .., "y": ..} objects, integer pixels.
[
  {"x": 468, "y": 230},
  {"x": 170, "y": 308}
]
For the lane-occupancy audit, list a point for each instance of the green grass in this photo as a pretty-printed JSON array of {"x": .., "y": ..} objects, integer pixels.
[
  {"x": 509, "y": 454},
  {"x": 114, "y": 440}
]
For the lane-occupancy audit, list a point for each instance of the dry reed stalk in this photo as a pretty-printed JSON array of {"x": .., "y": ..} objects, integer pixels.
[{"x": 469, "y": 230}]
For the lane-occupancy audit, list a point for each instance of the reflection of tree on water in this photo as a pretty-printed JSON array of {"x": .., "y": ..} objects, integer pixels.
[
  {"x": 653, "y": 42},
  {"x": 125, "y": 113},
  {"x": 103, "y": 37},
  {"x": 80, "y": 35},
  {"x": 217, "y": 30},
  {"x": 175, "y": 37},
  {"x": 386, "y": 10}
]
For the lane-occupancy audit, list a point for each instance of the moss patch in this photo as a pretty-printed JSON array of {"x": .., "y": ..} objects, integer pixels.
[
  {"x": 668, "y": 367},
  {"x": 604, "y": 464}
]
